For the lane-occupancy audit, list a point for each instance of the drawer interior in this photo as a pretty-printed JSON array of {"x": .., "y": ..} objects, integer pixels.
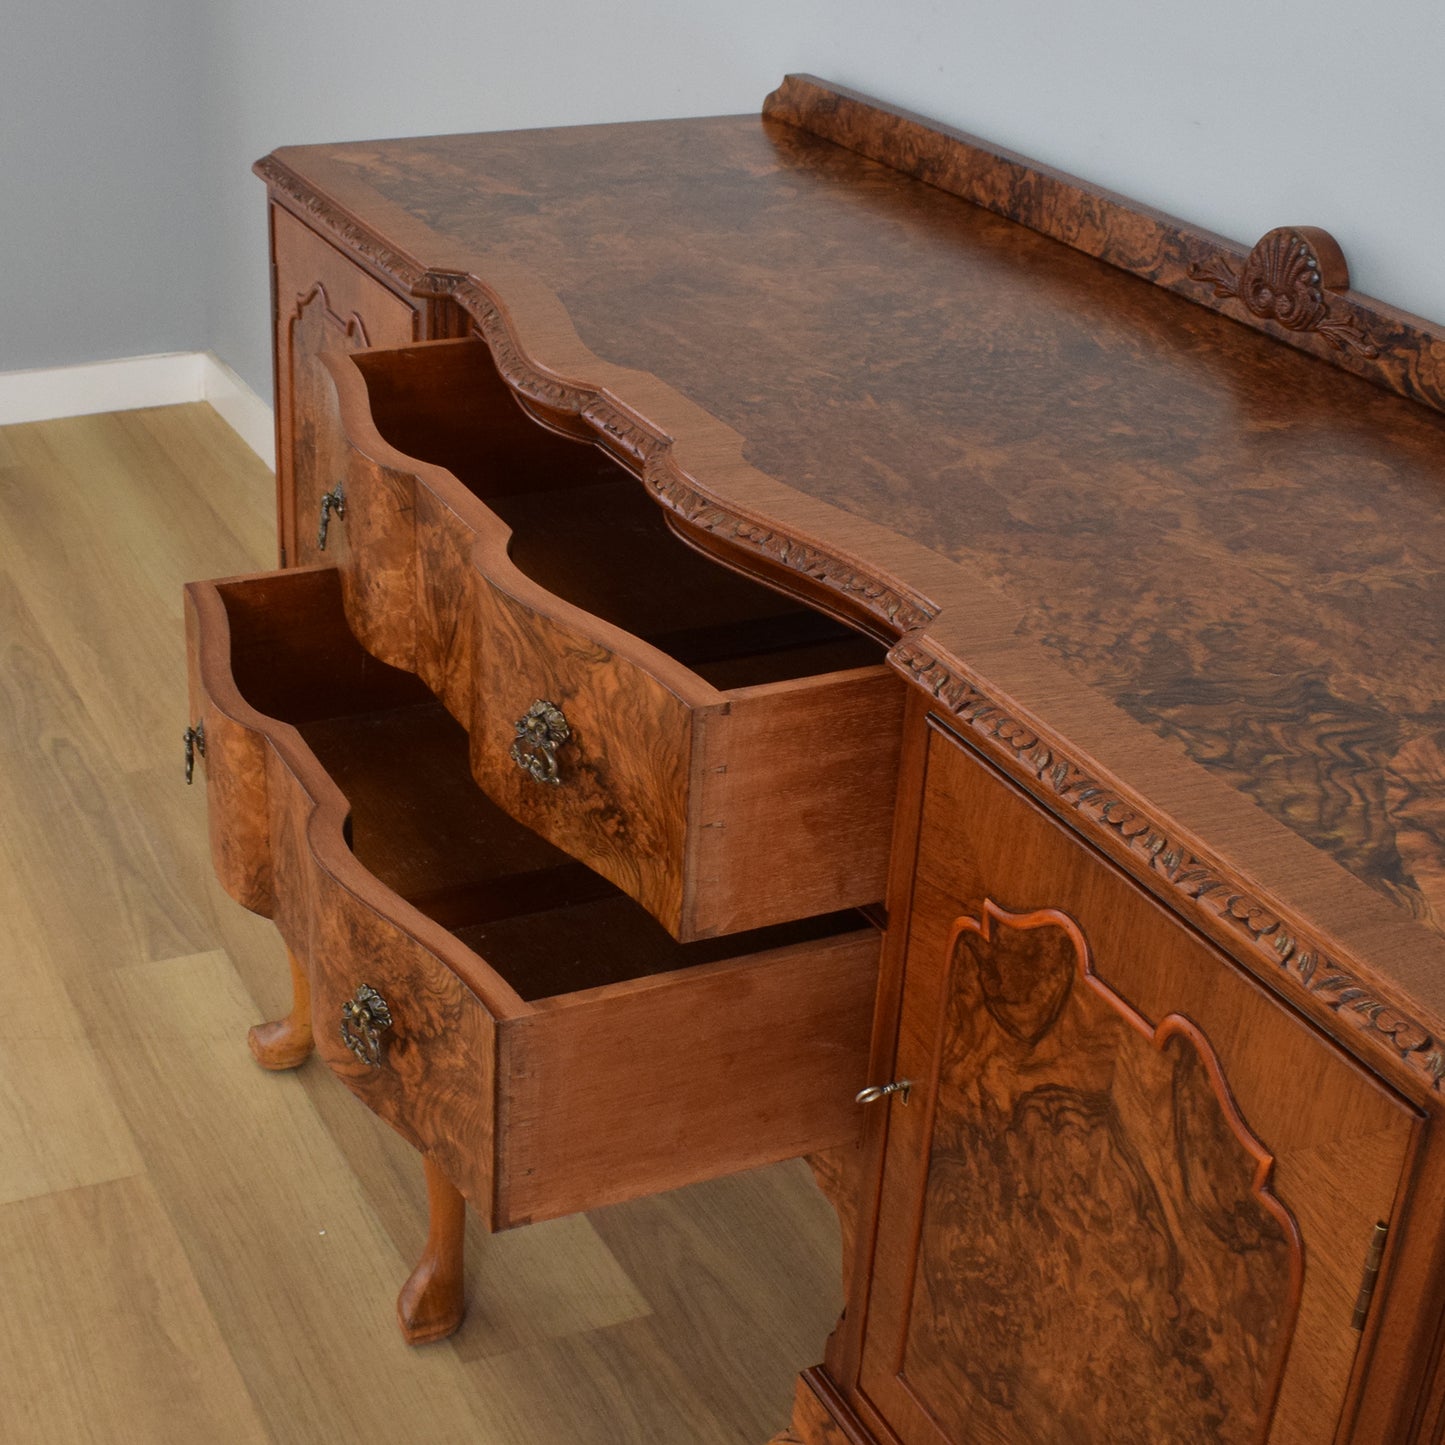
[
  {"x": 544, "y": 922},
  {"x": 583, "y": 527}
]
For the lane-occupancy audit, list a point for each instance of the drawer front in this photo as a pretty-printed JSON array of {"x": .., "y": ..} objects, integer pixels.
[
  {"x": 432, "y": 1072},
  {"x": 278, "y": 830},
  {"x": 230, "y": 758},
  {"x": 719, "y": 808},
  {"x": 768, "y": 803},
  {"x": 1181, "y": 1179},
  {"x": 682, "y": 1065},
  {"x": 614, "y": 793},
  {"x": 402, "y": 542},
  {"x": 371, "y": 540}
]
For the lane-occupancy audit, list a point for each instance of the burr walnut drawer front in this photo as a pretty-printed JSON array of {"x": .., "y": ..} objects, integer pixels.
[
  {"x": 509, "y": 1011},
  {"x": 724, "y": 754}
]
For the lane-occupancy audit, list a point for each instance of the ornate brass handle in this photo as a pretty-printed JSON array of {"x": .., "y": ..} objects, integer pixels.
[
  {"x": 364, "y": 1018},
  {"x": 539, "y": 734},
  {"x": 333, "y": 504},
  {"x": 195, "y": 741}
]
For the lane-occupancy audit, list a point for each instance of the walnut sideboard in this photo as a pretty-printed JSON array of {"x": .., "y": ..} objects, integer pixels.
[{"x": 865, "y": 647}]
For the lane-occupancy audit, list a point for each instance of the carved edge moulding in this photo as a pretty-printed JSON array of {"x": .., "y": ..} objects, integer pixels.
[
  {"x": 1193, "y": 879},
  {"x": 590, "y": 413},
  {"x": 324, "y": 215},
  {"x": 1392, "y": 348},
  {"x": 1100, "y": 224}
]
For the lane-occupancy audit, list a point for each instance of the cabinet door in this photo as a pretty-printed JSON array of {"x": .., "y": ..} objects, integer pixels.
[
  {"x": 324, "y": 302},
  {"x": 1130, "y": 1195}
]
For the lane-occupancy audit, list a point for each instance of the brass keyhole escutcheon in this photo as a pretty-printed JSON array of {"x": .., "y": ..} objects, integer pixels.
[
  {"x": 540, "y": 732},
  {"x": 364, "y": 1018}
]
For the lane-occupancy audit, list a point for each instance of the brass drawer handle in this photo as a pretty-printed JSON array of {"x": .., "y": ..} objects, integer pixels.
[
  {"x": 195, "y": 741},
  {"x": 333, "y": 503},
  {"x": 364, "y": 1018},
  {"x": 539, "y": 734},
  {"x": 874, "y": 1092}
]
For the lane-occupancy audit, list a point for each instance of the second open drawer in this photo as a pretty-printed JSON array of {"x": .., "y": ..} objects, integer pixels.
[
  {"x": 724, "y": 754},
  {"x": 548, "y": 1043}
]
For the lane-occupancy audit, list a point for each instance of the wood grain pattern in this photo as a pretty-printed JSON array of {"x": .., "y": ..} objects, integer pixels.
[
  {"x": 374, "y": 546},
  {"x": 1082, "y": 464},
  {"x": 1159, "y": 248},
  {"x": 281, "y": 1253},
  {"x": 1340, "y": 1164},
  {"x": 567, "y": 587},
  {"x": 1190, "y": 871},
  {"x": 437, "y": 1078},
  {"x": 71, "y": 1377},
  {"x": 793, "y": 799},
  {"x": 958, "y": 476},
  {"x": 436, "y": 1088},
  {"x": 446, "y": 647},
  {"x": 837, "y": 585},
  {"x": 591, "y": 1116},
  {"x": 694, "y": 1251},
  {"x": 530, "y": 1109},
  {"x": 621, "y": 803},
  {"x": 233, "y": 766},
  {"x": 323, "y": 302},
  {"x": 205, "y": 1249},
  {"x": 52, "y": 1140},
  {"x": 820, "y": 1416},
  {"x": 1097, "y": 1148}
]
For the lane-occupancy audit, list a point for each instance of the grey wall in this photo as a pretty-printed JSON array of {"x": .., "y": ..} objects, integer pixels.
[
  {"x": 130, "y": 128},
  {"x": 102, "y": 178}
]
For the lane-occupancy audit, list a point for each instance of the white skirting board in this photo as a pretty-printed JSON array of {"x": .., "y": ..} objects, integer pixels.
[{"x": 137, "y": 381}]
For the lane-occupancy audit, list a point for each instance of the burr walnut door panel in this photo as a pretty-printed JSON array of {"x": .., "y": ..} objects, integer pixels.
[
  {"x": 1129, "y": 1197},
  {"x": 324, "y": 302}
]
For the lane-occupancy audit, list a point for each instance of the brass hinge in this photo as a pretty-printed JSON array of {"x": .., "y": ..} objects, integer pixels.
[{"x": 1372, "y": 1273}]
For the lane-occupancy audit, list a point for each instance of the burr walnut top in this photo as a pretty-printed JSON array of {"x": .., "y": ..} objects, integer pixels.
[{"x": 1239, "y": 546}]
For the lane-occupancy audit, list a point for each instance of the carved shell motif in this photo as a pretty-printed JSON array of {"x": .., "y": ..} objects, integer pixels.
[{"x": 1285, "y": 280}]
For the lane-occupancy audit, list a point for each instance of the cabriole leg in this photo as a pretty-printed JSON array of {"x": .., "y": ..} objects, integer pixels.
[
  {"x": 285, "y": 1043},
  {"x": 431, "y": 1302}
]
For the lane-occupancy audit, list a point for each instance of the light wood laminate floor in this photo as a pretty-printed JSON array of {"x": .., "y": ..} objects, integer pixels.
[{"x": 192, "y": 1250}]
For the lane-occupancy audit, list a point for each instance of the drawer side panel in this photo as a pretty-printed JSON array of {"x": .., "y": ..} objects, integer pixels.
[
  {"x": 795, "y": 793},
  {"x": 686, "y": 1077},
  {"x": 233, "y": 765}
]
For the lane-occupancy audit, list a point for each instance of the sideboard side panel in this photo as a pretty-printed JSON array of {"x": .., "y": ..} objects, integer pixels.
[{"x": 323, "y": 301}]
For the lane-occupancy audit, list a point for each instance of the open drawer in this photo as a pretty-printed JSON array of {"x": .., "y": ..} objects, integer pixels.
[
  {"x": 549, "y": 1045},
  {"x": 724, "y": 754}
]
